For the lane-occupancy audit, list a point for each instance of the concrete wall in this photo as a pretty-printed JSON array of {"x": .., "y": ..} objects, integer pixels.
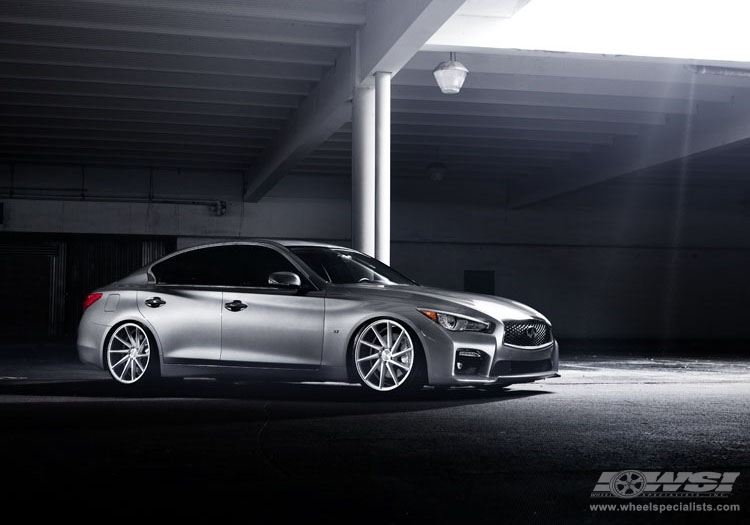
[{"x": 631, "y": 258}]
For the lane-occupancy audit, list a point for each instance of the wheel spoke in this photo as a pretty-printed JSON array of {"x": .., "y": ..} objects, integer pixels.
[
  {"x": 119, "y": 351},
  {"x": 118, "y": 338},
  {"x": 402, "y": 352},
  {"x": 118, "y": 363},
  {"x": 402, "y": 366},
  {"x": 139, "y": 366},
  {"x": 398, "y": 340},
  {"x": 124, "y": 371},
  {"x": 371, "y": 370},
  {"x": 376, "y": 347},
  {"x": 389, "y": 334},
  {"x": 130, "y": 337},
  {"x": 368, "y": 358},
  {"x": 380, "y": 337},
  {"x": 393, "y": 374},
  {"x": 382, "y": 374}
]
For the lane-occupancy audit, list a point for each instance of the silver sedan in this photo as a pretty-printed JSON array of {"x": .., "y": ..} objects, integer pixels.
[{"x": 301, "y": 311}]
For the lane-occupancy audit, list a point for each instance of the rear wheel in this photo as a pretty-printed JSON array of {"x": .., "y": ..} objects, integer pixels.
[
  {"x": 386, "y": 357},
  {"x": 131, "y": 355}
]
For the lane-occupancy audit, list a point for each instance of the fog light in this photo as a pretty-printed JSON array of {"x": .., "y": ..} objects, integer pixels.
[{"x": 469, "y": 362}]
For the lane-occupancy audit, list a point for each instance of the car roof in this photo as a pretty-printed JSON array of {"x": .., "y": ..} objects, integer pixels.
[
  {"x": 264, "y": 240},
  {"x": 234, "y": 242},
  {"x": 292, "y": 242}
]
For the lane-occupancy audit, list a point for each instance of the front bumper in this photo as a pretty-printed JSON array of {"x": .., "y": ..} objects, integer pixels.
[
  {"x": 461, "y": 358},
  {"x": 512, "y": 365}
]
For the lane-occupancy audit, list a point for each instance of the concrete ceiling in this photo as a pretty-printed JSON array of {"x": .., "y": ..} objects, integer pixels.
[{"x": 263, "y": 87}]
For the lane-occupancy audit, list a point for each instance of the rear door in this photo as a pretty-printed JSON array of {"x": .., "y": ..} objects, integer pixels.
[
  {"x": 184, "y": 306},
  {"x": 187, "y": 322}
]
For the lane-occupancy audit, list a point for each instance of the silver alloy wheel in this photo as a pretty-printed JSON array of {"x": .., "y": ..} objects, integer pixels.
[
  {"x": 384, "y": 355},
  {"x": 128, "y": 353}
]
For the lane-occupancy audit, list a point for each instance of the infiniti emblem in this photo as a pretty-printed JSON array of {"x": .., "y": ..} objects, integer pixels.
[{"x": 531, "y": 332}]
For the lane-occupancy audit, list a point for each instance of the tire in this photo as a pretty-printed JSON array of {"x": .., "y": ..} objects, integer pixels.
[
  {"x": 386, "y": 357},
  {"x": 131, "y": 356}
]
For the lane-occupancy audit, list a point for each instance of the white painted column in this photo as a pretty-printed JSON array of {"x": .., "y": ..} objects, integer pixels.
[
  {"x": 363, "y": 170},
  {"x": 383, "y": 167}
]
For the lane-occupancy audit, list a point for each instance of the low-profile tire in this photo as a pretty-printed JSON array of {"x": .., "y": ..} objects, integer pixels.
[
  {"x": 386, "y": 358},
  {"x": 131, "y": 356}
]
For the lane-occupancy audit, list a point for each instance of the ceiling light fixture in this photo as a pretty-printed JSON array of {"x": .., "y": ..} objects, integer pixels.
[{"x": 450, "y": 75}]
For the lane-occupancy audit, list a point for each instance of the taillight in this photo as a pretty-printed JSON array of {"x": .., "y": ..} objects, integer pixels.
[{"x": 91, "y": 299}]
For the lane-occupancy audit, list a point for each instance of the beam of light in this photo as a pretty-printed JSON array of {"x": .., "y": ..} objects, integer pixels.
[
  {"x": 673, "y": 290},
  {"x": 685, "y": 29}
]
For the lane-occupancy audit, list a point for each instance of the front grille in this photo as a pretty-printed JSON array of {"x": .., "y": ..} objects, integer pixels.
[
  {"x": 527, "y": 333},
  {"x": 514, "y": 368}
]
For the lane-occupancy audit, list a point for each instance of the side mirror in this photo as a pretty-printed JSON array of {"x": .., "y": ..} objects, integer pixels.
[{"x": 285, "y": 280}]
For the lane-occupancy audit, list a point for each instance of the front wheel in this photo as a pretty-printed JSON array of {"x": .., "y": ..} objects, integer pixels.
[
  {"x": 131, "y": 355},
  {"x": 386, "y": 357}
]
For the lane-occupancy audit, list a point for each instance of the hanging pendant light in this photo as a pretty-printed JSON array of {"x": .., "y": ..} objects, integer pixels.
[{"x": 450, "y": 75}]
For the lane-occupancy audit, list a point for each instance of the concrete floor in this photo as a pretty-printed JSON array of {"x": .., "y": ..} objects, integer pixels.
[{"x": 73, "y": 442}]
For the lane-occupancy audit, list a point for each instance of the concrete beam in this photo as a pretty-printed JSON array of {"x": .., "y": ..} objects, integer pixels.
[
  {"x": 396, "y": 30},
  {"x": 546, "y": 100},
  {"x": 704, "y": 92},
  {"x": 319, "y": 115},
  {"x": 155, "y": 19},
  {"x": 393, "y": 33},
  {"x": 681, "y": 138},
  {"x": 320, "y": 11},
  {"x": 97, "y": 39}
]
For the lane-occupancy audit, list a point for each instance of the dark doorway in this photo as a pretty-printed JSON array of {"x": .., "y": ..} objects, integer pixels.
[
  {"x": 25, "y": 285},
  {"x": 44, "y": 278}
]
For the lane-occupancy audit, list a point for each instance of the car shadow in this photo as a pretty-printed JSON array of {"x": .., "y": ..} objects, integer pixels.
[{"x": 202, "y": 401}]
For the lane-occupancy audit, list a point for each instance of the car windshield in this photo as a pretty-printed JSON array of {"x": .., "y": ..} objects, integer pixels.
[{"x": 342, "y": 266}]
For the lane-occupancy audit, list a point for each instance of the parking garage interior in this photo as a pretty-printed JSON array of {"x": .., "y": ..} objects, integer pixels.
[{"x": 608, "y": 191}]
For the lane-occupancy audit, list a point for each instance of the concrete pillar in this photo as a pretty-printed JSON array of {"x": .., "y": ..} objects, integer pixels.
[
  {"x": 383, "y": 167},
  {"x": 363, "y": 170}
]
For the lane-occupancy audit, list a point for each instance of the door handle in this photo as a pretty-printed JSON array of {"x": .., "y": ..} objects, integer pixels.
[
  {"x": 235, "y": 306},
  {"x": 155, "y": 302}
]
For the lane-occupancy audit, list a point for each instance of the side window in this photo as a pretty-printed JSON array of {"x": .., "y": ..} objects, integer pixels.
[
  {"x": 194, "y": 267},
  {"x": 251, "y": 265},
  {"x": 234, "y": 265}
]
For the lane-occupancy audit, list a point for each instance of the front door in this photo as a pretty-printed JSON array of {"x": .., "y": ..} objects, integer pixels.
[{"x": 272, "y": 328}]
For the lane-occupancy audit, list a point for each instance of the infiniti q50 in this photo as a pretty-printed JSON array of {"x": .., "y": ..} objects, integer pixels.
[{"x": 294, "y": 311}]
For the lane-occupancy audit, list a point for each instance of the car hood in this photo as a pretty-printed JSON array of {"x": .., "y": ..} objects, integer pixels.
[{"x": 499, "y": 308}]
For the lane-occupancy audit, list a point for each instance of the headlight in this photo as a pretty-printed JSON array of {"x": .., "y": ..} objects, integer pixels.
[{"x": 457, "y": 323}]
